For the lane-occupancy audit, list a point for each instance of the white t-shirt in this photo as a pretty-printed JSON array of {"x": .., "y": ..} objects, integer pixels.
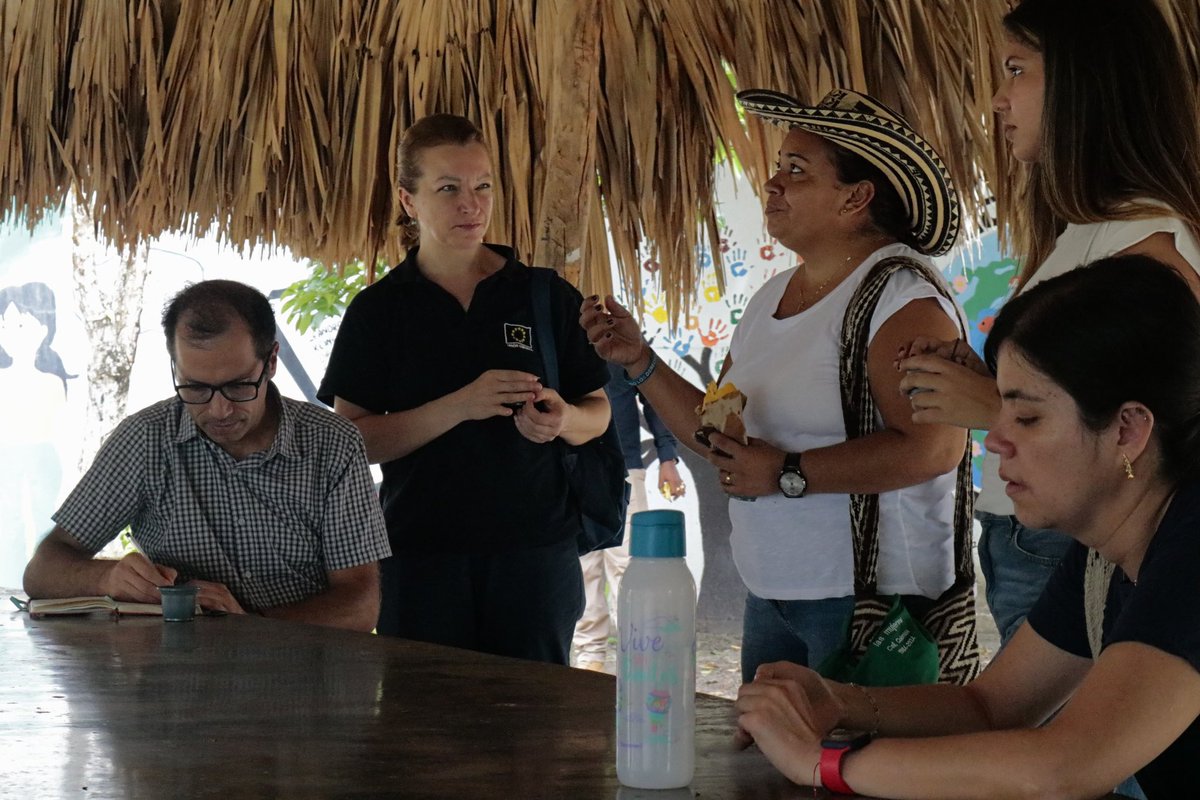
[
  {"x": 1078, "y": 245},
  {"x": 800, "y": 548}
]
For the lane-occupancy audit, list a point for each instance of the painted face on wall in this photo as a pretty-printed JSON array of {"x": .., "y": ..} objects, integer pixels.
[
  {"x": 1018, "y": 101},
  {"x": 453, "y": 199},
  {"x": 21, "y": 334}
]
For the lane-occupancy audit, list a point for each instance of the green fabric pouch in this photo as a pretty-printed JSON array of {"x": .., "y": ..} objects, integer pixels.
[{"x": 900, "y": 653}]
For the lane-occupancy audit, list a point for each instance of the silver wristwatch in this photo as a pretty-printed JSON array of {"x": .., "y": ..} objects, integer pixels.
[{"x": 791, "y": 480}]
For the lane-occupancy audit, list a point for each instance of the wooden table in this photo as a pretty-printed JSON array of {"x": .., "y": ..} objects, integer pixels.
[{"x": 244, "y": 707}]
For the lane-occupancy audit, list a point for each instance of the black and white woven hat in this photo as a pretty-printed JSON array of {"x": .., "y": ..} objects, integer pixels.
[{"x": 868, "y": 128}]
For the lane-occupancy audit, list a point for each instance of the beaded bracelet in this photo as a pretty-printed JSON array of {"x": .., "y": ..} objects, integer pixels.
[
  {"x": 646, "y": 373},
  {"x": 874, "y": 705}
]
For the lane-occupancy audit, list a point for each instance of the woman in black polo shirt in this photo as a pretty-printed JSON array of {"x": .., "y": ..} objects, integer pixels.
[
  {"x": 1099, "y": 437},
  {"x": 436, "y": 365}
]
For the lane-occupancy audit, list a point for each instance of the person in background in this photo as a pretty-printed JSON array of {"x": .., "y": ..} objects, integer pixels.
[
  {"x": 845, "y": 199},
  {"x": 437, "y": 364},
  {"x": 1098, "y": 436},
  {"x": 602, "y": 569},
  {"x": 266, "y": 504},
  {"x": 1094, "y": 104}
]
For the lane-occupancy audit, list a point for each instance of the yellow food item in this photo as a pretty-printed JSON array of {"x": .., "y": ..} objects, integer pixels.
[
  {"x": 713, "y": 392},
  {"x": 722, "y": 411}
]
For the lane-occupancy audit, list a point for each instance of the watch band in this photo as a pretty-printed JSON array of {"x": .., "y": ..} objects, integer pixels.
[
  {"x": 831, "y": 769},
  {"x": 792, "y": 461}
]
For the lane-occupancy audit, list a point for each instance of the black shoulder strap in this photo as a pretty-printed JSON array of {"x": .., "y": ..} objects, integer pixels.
[
  {"x": 858, "y": 413},
  {"x": 543, "y": 322}
]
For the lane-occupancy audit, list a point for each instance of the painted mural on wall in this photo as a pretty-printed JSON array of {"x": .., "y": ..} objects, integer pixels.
[{"x": 34, "y": 388}]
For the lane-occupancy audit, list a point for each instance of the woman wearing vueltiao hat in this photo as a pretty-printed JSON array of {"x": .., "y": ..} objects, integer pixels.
[{"x": 824, "y": 499}]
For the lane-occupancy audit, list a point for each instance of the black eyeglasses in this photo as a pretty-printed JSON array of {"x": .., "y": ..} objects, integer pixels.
[{"x": 235, "y": 391}]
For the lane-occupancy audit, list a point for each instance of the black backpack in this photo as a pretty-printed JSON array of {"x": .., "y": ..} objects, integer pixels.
[{"x": 596, "y": 469}]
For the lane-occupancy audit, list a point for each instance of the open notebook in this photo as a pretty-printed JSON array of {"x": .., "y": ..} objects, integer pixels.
[{"x": 85, "y": 605}]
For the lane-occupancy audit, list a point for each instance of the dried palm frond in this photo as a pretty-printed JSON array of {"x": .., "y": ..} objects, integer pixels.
[{"x": 276, "y": 122}]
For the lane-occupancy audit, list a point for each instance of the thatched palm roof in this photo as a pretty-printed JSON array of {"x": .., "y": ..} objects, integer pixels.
[{"x": 276, "y": 123}]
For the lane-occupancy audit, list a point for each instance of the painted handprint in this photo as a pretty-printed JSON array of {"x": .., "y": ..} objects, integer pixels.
[
  {"x": 681, "y": 347},
  {"x": 736, "y": 303},
  {"x": 654, "y": 304},
  {"x": 737, "y": 262},
  {"x": 717, "y": 330}
]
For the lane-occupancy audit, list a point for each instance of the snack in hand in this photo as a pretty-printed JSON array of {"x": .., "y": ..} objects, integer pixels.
[{"x": 722, "y": 412}]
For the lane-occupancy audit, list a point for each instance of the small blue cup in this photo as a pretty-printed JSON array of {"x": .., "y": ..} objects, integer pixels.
[{"x": 178, "y": 603}]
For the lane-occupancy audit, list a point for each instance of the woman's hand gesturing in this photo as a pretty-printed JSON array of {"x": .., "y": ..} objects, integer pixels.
[{"x": 612, "y": 331}]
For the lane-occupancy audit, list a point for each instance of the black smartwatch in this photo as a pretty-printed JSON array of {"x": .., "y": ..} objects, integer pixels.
[{"x": 791, "y": 480}]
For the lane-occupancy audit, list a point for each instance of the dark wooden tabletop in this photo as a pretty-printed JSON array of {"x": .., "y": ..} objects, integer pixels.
[
  {"x": 244, "y": 707},
  {"x": 240, "y": 707}
]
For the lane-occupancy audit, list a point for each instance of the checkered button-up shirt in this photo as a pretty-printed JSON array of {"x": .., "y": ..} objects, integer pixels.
[{"x": 269, "y": 527}]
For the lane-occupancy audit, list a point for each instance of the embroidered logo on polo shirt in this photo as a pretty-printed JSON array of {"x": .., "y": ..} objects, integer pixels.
[{"x": 518, "y": 336}]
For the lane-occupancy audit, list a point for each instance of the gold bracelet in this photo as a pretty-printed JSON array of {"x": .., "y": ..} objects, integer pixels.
[{"x": 874, "y": 706}]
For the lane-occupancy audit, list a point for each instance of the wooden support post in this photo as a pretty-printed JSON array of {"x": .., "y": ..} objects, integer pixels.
[{"x": 570, "y": 152}]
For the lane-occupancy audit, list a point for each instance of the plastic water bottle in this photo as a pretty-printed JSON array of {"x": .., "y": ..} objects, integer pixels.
[{"x": 656, "y": 657}]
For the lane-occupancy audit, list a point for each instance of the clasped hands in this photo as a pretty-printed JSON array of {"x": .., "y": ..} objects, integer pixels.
[
  {"x": 786, "y": 710},
  {"x": 137, "y": 578},
  {"x": 947, "y": 383},
  {"x": 540, "y": 413}
]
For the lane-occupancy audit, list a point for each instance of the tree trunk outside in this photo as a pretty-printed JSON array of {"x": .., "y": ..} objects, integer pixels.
[{"x": 108, "y": 295}]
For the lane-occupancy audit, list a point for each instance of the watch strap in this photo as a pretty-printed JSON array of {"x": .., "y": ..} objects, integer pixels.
[
  {"x": 831, "y": 769},
  {"x": 791, "y": 461}
]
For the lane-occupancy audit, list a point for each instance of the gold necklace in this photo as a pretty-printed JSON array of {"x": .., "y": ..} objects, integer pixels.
[{"x": 816, "y": 295}]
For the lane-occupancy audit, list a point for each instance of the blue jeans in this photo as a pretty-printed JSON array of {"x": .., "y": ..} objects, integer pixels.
[
  {"x": 802, "y": 631},
  {"x": 1016, "y": 563},
  {"x": 1131, "y": 789}
]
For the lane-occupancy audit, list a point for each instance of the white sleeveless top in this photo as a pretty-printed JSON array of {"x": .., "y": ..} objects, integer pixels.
[
  {"x": 1078, "y": 245},
  {"x": 800, "y": 548}
]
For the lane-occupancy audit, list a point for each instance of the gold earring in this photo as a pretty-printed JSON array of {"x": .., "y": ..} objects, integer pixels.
[{"x": 1128, "y": 466}]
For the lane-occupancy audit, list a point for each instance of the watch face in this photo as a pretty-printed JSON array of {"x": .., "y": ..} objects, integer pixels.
[
  {"x": 792, "y": 484},
  {"x": 842, "y": 739}
]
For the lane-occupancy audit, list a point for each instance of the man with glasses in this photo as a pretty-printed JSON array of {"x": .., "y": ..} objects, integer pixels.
[{"x": 265, "y": 503}]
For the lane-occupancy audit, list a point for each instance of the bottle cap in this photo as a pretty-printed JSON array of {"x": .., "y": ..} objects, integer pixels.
[{"x": 657, "y": 534}]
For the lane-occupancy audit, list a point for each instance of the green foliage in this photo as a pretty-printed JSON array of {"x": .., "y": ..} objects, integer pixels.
[
  {"x": 125, "y": 537},
  {"x": 324, "y": 294}
]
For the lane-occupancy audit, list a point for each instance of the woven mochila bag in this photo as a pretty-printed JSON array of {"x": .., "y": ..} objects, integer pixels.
[{"x": 950, "y": 619}]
